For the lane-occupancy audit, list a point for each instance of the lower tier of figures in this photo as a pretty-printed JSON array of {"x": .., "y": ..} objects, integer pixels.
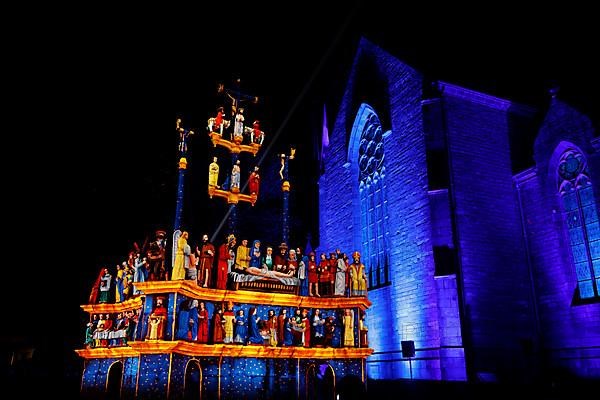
[{"x": 172, "y": 317}]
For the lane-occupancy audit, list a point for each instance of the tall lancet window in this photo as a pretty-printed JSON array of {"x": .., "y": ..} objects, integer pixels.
[
  {"x": 373, "y": 203},
  {"x": 581, "y": 217}
]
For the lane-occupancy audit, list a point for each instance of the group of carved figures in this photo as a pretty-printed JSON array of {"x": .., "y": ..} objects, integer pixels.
[
  {"x": 333, "y": 276},
  {"x": 303, "y": 328},
  {"x": 147, "y": 264},
  {"x": 329, "y": 276},
  {"x": 239, "y": 133},
  {"x": 105, "y": 330},
  {"x": 233, "y": 180}
]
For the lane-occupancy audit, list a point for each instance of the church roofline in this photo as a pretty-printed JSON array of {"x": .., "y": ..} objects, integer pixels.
[
  {"x": 596, "y": 144},
  {"x": 525, "y": 176},
  {"x": 484, "y": 99}
]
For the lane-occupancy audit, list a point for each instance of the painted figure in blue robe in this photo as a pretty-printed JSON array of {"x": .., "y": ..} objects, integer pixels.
[
  {"x": 119, "y": 284},
  {"x": 240, "y": 328},
  {"x": 288, "y": 337},
  {"x": 318, "y": 327},
  {"x": 235, "y": 177},
  {"x": 183, "y": 318},
  {"x": 254, "y": 336},
  {"x": 141, "y": 273},
  {"x": 193, "y": 320},
  {"x": 255, "y": 255},
  {"x": 187, "y": 320}
]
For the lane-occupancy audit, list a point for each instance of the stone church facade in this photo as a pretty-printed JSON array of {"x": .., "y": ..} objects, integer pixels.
[{"x": 489, "y": 268}]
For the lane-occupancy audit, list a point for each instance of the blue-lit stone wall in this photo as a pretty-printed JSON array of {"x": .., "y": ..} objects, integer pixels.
[
  {"x": 209, "y": 367},
  {"x": 176, "y": 385},
  {"x": 452, "y": 352},
  {"x": 280, "y": 377},
  {"x": 154, "y": 373},
  {"x": 169, "y": 334},
  {"x": 243, "y": 377},
  {"x": 260, "y": 378},
  {"x": 441, "y": 232},
  {"x": 248, "y": 378},
  {"x": 210, "y": 376},
  {"x": 498, "y": 313},
  {"x": 95, "y": 376},
  {"x": 406, "y": 310},
  {"x": 347, "y": 378},
  {"x": 570, "y": 333},
  {"x": 130, "y": 370}
]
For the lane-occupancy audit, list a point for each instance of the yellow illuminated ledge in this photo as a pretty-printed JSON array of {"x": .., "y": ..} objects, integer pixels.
[
  {"x": 191, "y": 289},
  {"x": 234, "y": 147},
  {"x": 103, "y": 308},
  {"x": 223, "y": 350}
]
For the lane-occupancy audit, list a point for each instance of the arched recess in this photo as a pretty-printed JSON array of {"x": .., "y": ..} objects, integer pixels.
[
  {"x": 192, "y": 380},
  {"x": 114, "y": 380},
  {"x": 320, "y": 382}
]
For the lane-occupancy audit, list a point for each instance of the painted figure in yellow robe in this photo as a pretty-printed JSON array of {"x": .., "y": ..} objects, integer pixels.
[
  {"x": 154, "y": 323},
  {"x": 213, "y": 173},
  {"x": 182, "y": 257},
  {"x": 229, "y": 318},
  {"x": 348, "y": 328},
  {"x": 358, "y": 277}
]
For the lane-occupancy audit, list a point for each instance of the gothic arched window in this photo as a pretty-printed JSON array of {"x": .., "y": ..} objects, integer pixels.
[
  {"x": 373, "y": 202},
  {"x": 581, "y": 217}
]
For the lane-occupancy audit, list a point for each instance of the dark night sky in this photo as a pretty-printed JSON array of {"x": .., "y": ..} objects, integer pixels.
[{"x": 115, "y": 81}]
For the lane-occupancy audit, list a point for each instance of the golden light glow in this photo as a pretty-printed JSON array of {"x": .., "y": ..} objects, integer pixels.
[
  {"x": 131, "y": 304},
  {"x": 169, "y": 374},
  {"x": 231, "y": 197},
  {"x": 233, "y": 147},
  {"x": 182, "y": 163},
  {"x": 191, "y": 289},
  {"x": 223, "y": 350},
  {"x": 104, "y": 352}
]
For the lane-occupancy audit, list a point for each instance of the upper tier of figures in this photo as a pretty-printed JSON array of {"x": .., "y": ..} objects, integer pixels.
[
  {"x": 240, "y": 134},
  {"x": 233, "y": 266}
]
